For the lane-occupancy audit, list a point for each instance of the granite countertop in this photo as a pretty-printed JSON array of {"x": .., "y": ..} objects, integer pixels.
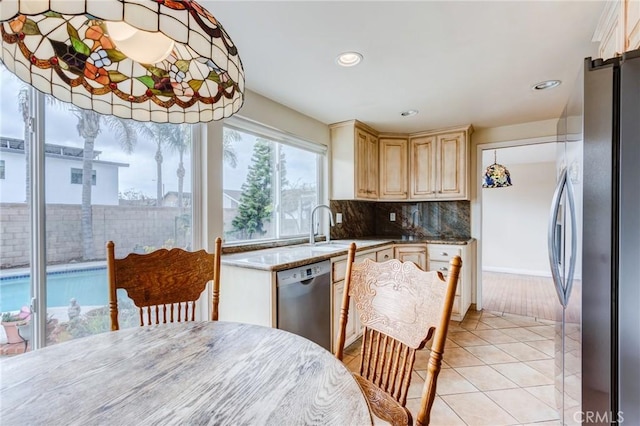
[{"x": 292, "y": 256}]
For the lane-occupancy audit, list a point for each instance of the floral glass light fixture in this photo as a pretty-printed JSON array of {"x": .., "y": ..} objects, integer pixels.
[
  {"x": 496, "y": 175},
  {"x": 150, "y": 60}
]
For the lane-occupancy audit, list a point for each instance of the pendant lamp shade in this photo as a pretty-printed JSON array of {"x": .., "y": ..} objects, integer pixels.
[
  {"x": 496, "y": 175},
  {"x": 149, "y": 60}
]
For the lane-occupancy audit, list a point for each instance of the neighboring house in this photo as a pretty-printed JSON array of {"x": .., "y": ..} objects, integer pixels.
[
  {"x": 63, "y": 165},
  {"x": 230, "y": 204},
  {"x": 231, "y": 198},
  {"x": 170, "y": 199}
]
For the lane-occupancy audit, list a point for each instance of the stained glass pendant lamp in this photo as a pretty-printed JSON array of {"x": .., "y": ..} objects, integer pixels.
[
  {"x": 150, "y": 60},
  {"x": 496, "y": 175}
]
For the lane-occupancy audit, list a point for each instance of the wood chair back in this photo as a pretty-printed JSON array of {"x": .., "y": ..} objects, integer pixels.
[
  {"x": 165, "y": 284},
  {"x": 401, "y": 307}
]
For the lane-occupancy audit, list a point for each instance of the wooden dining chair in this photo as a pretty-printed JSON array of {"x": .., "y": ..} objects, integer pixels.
[
  {"x": 164, "y": 284},
  {"x": 401, "y": 307}
]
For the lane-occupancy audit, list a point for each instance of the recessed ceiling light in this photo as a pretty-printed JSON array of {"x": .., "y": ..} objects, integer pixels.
[
  {"x": 549, "y": 84},
  {"x": 349, "y": 59},
  {"x": 409, "y": 113}
]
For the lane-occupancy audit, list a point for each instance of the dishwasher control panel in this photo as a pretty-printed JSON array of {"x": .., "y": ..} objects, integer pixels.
[{"x": 302, "y": 273}]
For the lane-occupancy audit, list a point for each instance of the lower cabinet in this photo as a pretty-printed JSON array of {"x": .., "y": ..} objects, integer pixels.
[
  {"x": 338, "y": 272},
  {"x": 439, "y": 257},
  {"x": 353, "y": 323},
  {"x": 416, "y": 253}
]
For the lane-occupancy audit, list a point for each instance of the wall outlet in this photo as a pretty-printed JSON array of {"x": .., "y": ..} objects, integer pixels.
[
  {"x": 338, "y": 218},
  {"x": 392, "y": 217}
]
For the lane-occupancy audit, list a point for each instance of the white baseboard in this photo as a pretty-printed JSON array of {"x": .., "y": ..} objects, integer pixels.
[
  {"x": 536, "y": 273},
  {"x": 517, "y": 271}
]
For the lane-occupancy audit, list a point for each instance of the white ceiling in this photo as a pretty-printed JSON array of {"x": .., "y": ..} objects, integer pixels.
[{"x": 456, "y": 62}]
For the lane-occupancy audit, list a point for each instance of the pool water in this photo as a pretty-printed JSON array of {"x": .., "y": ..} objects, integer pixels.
[{"x": 87, "y": 286}]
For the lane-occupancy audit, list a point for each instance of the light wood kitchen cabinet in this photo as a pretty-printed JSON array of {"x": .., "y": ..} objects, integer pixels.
[
  {"x": 338, "y": 272},
  {"x": 351, "y": 331},
  {"x": 439, "y": 257},
  {"x": 421, "y": 166},
  {"x": 393, "y": 168},
  {"x": 416, "y": 253},
  {"x": 632, "y": 25},
  {"x": 384, "y": 255},
  {"x": 366, "y": 165},
  {"x": 422, "y": 158},
  {"x": 438, "y": 165},
  {"x": 354, "y": 161},
  {"x": 619, "y": 28}
]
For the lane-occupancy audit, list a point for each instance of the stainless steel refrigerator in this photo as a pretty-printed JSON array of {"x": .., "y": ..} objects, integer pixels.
[{"x": 594, "y": 246}]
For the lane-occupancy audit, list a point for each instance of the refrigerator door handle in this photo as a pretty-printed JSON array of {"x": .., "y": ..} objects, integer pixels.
[
  {"x": 574, "y": 241},
  {"x": 554, "y": 249}
]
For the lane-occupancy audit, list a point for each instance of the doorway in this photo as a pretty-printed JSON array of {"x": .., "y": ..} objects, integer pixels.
[{"x": 513, "y": 268}]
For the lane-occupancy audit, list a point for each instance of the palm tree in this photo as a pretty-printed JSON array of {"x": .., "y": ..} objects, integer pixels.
[
  {"x": 228, "y": 151},
  {"x": 178, "y": 138},
  {"x": 162, "y": 134},
  {"x": 88, "y": 128},
  {"x": 180, "y": 143}
]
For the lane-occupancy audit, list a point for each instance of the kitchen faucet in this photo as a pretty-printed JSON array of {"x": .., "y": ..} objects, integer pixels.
[
  {"x": 413, "y": 217},
  {"x": 312, "y": 239}
]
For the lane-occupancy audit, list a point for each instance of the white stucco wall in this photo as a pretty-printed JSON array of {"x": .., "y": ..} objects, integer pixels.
[
  {"x": 12, "y": 187},
  {"x": 515, "y": 221},
  {"x": 58, "y": 170}
]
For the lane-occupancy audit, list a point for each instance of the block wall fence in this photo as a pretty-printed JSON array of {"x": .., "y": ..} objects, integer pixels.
[{"x": 130, "y": 227}]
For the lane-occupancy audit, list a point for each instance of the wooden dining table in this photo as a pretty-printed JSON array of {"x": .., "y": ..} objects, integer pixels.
[{"x": 193, "y": 373}]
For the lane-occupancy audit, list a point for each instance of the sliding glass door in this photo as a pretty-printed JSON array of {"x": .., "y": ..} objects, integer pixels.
[{"x": 105, "y": 179}]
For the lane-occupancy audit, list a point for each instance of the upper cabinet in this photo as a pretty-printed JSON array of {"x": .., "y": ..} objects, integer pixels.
[
  {"x": 398, "y": 167},
  {"x": 438, "y": 165},
  {"x": 393, "y": 168},
  {"x": 366, "y": 162},
  {"x": 618, "y": 30},
  {"x": 632, "y": 24},
  {"x": 354, "y": 161}
]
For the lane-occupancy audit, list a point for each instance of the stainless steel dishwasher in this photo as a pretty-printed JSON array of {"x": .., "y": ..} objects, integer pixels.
[{"x": 304, "y": 302}]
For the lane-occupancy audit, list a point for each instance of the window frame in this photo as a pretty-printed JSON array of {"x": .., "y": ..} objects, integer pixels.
[{"x": 280, "y": 137}]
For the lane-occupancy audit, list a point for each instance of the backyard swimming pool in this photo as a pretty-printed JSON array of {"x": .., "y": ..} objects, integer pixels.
[{"x": 88, "y": 286}]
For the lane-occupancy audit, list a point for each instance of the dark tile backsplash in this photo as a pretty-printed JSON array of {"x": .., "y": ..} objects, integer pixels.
[
  {"x": 358, "y": 219},
  {"x": 430, "y": 219}
]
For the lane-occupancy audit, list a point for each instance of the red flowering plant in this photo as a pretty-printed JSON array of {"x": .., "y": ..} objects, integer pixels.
[{"x": 23, "y": 316}]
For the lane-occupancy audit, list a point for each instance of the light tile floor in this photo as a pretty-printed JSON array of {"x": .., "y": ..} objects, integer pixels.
[{"x": 498, "y": 369}]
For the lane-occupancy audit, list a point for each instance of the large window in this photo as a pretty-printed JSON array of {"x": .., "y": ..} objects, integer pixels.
[{"x": 271, "y": 182}]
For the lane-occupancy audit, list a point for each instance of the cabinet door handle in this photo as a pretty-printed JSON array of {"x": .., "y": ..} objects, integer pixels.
[
  {"x": 444, "y": 253},
  {"x": 386, "y": 256},
  {"x": 442, "y": 268}
]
